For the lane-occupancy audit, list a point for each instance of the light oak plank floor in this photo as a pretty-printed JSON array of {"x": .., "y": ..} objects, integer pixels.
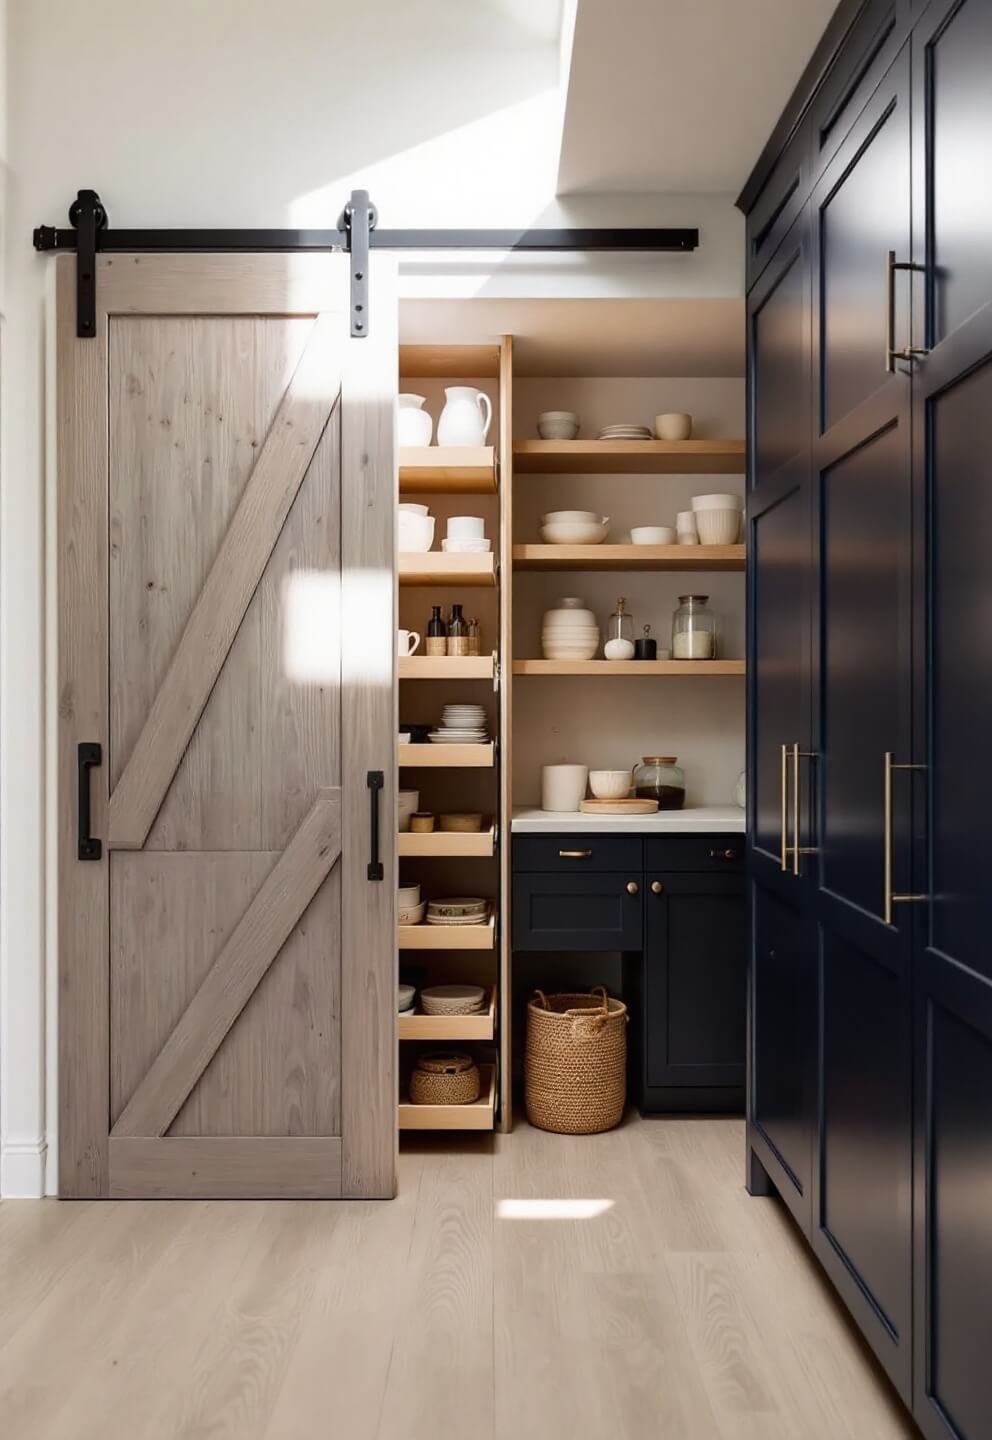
[{"x": 526, "y": 1287}]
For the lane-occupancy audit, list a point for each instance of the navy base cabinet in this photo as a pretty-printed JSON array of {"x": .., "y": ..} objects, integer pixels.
[{"x": 673, "y": 906}]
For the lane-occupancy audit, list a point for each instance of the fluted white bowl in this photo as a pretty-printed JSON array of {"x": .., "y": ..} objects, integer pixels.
[{"x": 718, "y": 527}]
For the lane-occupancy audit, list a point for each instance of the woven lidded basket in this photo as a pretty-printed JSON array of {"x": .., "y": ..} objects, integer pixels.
[
  {"x": 444, "y": 1078},
  {"x": 575, "y": 1069}
]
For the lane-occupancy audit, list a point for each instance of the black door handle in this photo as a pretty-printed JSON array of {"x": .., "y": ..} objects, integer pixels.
[
  {"x": 88, "y": 755},
  {"x": 375, "y": 781}
]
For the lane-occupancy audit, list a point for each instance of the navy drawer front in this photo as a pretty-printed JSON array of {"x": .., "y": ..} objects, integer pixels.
[
  {"x": 577, "y": 912},
  {"x": 715, "y": 853},
  {"x": 578, "y": 854}
]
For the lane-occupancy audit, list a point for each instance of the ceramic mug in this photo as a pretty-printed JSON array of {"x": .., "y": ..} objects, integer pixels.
[
  {"x": 407, "y": 642},
  {"x": 563, "y": 787}
]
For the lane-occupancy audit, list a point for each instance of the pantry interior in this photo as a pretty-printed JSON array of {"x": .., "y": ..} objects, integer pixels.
[{"x": 610, "y": 362}]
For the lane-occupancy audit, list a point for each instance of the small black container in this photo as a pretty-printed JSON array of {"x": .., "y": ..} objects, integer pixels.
[
  {"x": 419, "y": 734},
  {"x": 646, "y": 648}
]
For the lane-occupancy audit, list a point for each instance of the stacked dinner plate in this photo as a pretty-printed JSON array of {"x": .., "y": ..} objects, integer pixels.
[
  {"x": 452, "y": 999},
  {"x": 461, "y": 725},
  {"x": 626, "y": 432},
  {"x": 460, "y": 911}
]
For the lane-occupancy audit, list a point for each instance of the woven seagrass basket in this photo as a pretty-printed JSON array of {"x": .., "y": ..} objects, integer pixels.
[
  {"x": 444, "y": 1078},
  {"x": 575, "y": 1069}
]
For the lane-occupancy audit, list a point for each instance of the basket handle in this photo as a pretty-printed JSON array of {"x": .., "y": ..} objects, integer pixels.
[
  {"x": 543, "y": 999},
  {"x": 590, "y": 1022}
]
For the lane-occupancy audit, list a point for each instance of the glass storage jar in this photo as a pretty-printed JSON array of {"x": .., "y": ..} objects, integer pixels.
[
  {"x": 693, "y": 629},
  {"x": 659, "y": 778},
  {"x": 620, "y": 625}
]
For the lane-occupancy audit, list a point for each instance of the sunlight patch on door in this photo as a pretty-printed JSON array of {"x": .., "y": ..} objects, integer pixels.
[{"x": 311, "y": 627}]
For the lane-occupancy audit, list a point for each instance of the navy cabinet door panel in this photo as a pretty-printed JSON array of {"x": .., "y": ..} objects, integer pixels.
[
  {"x": 694, "y": 980},
  {"x": 778, "y": 336},
  {"x": 576, "y": 912}
]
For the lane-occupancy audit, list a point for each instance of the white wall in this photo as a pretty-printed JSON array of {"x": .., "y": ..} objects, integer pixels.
[{"x": 249, "y": 112}]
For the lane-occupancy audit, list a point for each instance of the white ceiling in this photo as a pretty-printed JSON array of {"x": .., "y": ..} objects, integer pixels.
[
  {"x": 680, "y": 95},
  {"x": 697, "y": 337}
]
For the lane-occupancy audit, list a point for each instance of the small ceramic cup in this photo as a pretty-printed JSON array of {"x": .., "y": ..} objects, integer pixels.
[
  {"x": 466, "y": 527},
  {"x": 673, "y": 427},
  {"x": 407, "y": 641},
  {"x": 563, "y": 787}
]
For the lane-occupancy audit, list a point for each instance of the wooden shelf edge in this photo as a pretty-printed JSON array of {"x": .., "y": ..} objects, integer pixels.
[
  {"x": 673, "y": 457},
  {"x": 448, "y": 844},
  {"x": 683, "y": 669},
  {"x": 446, "y": 757},
  {"x": 447, "y": 667},
  {"x": 450, "y": 1027},
  {"x": 454, "y": 469},
  {"x": 447, "y": 937},
  {"x": 629, "y": 557},
  {"x": 449, "y": 362},
  {"x": 436, "y": 567},
  {"x": 480, "y": 1115}
]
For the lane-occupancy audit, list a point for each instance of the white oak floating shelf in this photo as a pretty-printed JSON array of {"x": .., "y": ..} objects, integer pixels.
[
  {"x": 445, "y": 844},
  {"x": 437, "y": 567},
  {"x": 477, "y": 1116},
  {"x": 448, "y": 469},
  {"x": 450, "y": 1027},
  {"x": 446, "y": 757},
  {"x": 683, "y": 669},
  {"x": 449, "y": 362},
  {"x": 628, "y": 557},
  {"x": 629, "y": 457},
  {"x": 447, "y": 937},
  {"x": 447, "y": 667}
]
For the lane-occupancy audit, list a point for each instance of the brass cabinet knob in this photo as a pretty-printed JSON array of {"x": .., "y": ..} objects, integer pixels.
[
  {"x": 656, "y": 887},
  {"x": 632, "y": 887}
]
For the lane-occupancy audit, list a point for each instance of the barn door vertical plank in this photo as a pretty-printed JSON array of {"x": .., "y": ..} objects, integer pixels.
[
  {"x": 369, "y": 484},
  {"x": 83, "y": 905}
]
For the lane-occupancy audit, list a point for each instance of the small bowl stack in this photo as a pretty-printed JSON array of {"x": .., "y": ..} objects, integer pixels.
[
  {"x": 574, "y": 527},
  {"x": 558, "y": 425},
  {"x": 718, "y": 518},
  {"x": 452, "y": 999},
  {"x": 461, "y": 725},
  {"x": 460, "y": 911},
  {"x": 570, "y": 632},
  {"x": 414, "y": 528}
]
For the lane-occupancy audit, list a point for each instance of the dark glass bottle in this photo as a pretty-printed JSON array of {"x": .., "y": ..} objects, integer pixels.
[
  {"x": 437, "y": 633},
  {"x": 457, "y": 632}
]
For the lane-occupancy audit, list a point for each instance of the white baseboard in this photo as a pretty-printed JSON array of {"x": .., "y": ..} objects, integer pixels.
[{"x": 22, "y": 1169}]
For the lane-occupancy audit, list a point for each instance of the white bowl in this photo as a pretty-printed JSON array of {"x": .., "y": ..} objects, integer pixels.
[
  {"x": 574, "y": 534},
  {"x": 718, "y": 527},
  {"x": 408, "y": 896},
  {"x": 567, "y": 618},
  {"x": 466, "y": 527},
  {"x": 573, "y": 517},
  {"x": 674, "y": 426},
  {"x": 558, "y": 415},
  {"x": 652, "y": 535},
  {"x": 557, "y": 429},
  {"x": 414, "y": 915},
  {"x": 688, "y": 537},
  {"x": 408, "y": 508},
  {"x": 716, "y": 502},
  {"x": 585, "y": 652},
  {"x": 609, "y": 784},
  {"x": 467, "y": 547},
  {"x": 415, "y": 532},
  {"x": 405, "y": 996}
]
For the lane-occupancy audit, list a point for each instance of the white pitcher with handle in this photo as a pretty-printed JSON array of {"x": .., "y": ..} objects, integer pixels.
[{"x": 466, "y": 417}]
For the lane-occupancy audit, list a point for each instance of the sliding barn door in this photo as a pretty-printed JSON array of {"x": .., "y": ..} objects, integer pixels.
[{"x": 226, "y": 487}]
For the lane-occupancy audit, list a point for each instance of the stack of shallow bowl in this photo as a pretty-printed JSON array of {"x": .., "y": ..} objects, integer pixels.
[
  {"x": 570, "y": 632},
  {"x": 462, "y": 910},
  {"x": 453, "y": 999},
  {"x": 574, "y": 527}
]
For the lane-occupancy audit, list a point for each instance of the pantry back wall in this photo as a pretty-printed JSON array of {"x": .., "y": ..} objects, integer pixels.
[{"x": 608, "y": 723}]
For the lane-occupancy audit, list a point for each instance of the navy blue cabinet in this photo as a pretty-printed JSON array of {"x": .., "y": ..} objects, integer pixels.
[{"x": 870, "y": 427}]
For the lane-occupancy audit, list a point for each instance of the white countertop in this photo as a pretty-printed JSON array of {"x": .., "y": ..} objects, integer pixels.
[{"x": 700, "y": 818}]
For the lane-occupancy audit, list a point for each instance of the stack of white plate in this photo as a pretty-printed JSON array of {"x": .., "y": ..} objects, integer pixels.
[
  {"x": 461, "y": 725},
  {"x": 570, "y": 632},
  {"x": 452, "y": 999},
  {"x": 459, "y": 911},
  {"x": 626, "y": 432}
]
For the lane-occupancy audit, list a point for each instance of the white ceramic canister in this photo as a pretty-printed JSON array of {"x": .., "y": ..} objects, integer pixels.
[
  {"x": 563, "y": 787},
  {"x": 414, "y": 425},
  {"x": 466, "y": 417}
]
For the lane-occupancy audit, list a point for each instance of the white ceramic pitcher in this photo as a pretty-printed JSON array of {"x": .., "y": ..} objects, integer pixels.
[{"x": 466, "y": 417}]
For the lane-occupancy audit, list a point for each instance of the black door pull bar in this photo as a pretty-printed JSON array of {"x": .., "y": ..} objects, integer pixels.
[
  {"x": 88, "y": 755},
  {"x": 375, "y": 781}
]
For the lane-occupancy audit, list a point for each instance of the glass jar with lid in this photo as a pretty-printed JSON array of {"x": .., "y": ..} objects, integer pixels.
[
  {"x": 694, "y": 629},
  {"x": 659, "y": 778}
]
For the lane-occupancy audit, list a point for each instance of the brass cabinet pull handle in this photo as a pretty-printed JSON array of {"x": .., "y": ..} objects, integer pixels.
[
  {"x": 574, "y": 854},
  {"x": 723, "y": 854},
  {"x": 795, "y": 847},
  {"x": 784, "y": 858},
  {"x": 632, "y": 887},
  {"x": 656, "y": 887},
  {"x": 889, "y": 899},
  {"x": 891, "y": 353}
]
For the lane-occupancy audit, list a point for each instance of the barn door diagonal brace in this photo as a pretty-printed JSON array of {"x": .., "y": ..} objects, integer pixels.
[{"x": 357, "y": 234}]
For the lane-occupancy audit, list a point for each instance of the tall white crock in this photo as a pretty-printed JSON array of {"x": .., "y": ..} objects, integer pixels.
[
  {"x": 466, "y": 417},
  {"x": 414, "y": 426}
]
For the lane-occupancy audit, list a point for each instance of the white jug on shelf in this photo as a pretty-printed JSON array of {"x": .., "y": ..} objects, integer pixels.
[
  {"x": 466, "y": 417},
  {"x": 414, "y": 424}
]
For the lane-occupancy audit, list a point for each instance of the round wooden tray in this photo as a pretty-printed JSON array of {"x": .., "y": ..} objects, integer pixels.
[{"x": 618, "y": 807}]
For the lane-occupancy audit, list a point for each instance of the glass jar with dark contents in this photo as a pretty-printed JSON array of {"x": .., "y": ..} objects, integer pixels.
[{"x": 659, "y": 778}]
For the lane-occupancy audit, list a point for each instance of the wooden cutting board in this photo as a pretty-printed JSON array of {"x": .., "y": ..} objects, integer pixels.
[{"x": 618, "y": 807}]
